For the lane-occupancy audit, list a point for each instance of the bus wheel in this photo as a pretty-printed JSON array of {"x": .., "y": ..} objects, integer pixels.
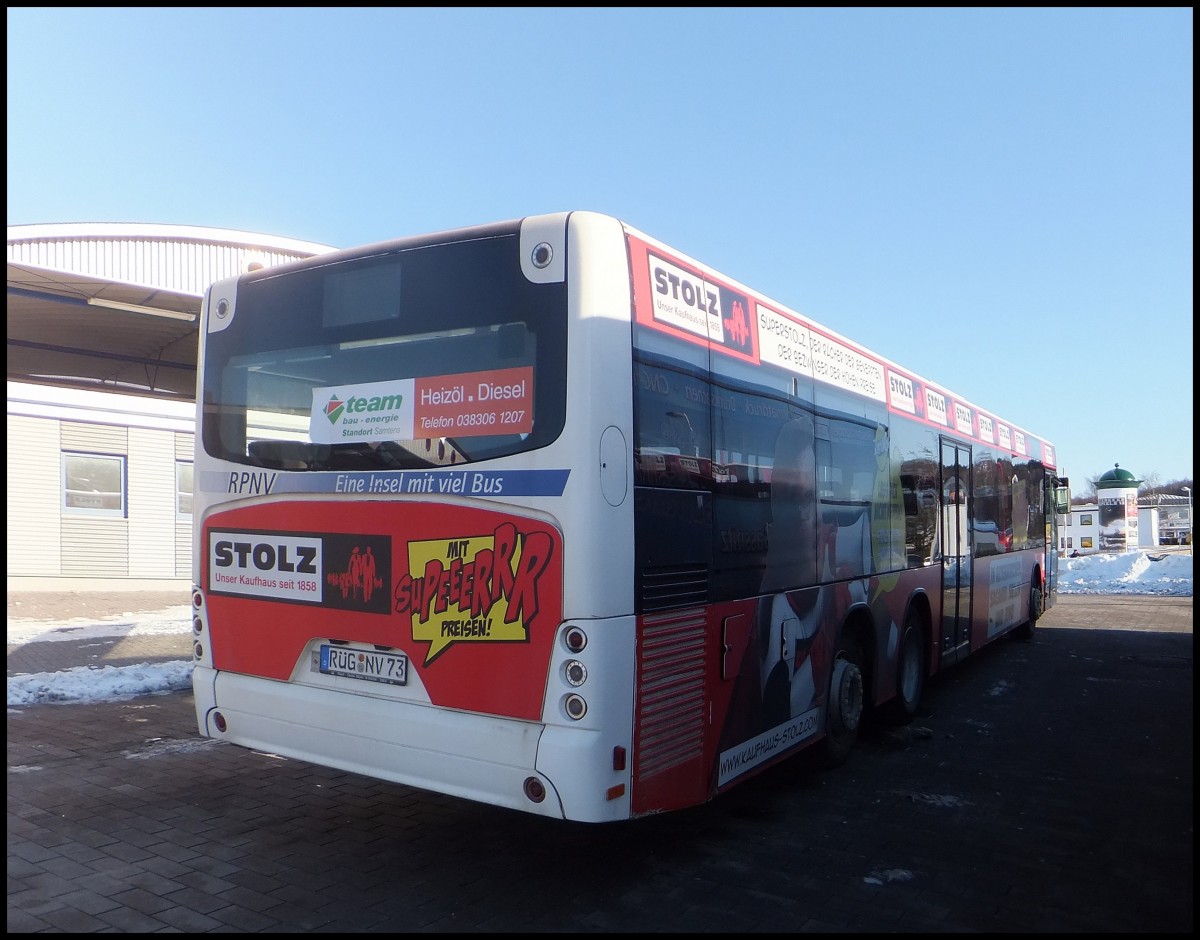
[
  {"x": 1036, "y": 606},
  {"x": 910, "y": 672},
  {"x": 844, "y": 705}
]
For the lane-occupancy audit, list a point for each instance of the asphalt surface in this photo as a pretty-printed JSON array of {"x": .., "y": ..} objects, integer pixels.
[{"x": 1044, "y": 787}]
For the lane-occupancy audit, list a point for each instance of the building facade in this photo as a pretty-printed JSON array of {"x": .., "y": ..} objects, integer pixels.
[
  {"x": 100, "y": 456},
  {"x": 1162, "y": 520},
  {"x": 99, "y": 488}
]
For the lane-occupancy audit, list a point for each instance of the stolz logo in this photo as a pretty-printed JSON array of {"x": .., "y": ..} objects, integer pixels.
[
  {"x": 688, "y": 302},
  {"x": 350, "y": 572},
  {"x": 265, "y": 564}
]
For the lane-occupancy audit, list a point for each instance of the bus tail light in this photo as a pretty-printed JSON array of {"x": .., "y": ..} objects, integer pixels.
[
  {"x": 197, "y": 623},
  {"x": 575, "y": 639},
  {"x": 575, "y": 706}
]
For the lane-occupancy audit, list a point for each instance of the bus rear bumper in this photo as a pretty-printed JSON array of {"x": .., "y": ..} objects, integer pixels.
[{"x": 401, "y": 742}]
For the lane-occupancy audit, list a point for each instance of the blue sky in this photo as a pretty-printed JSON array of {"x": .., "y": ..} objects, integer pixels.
[{"x": 999, "y": 200}]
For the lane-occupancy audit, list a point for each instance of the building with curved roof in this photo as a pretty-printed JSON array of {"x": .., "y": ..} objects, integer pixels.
[
  {"x": 102, "y": 347},
  {"x": 115, "y": 306}
]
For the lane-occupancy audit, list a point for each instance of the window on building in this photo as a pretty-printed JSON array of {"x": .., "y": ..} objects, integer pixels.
[
  {"x": 1069, "y": 542},
  {"x": 183, "y": 487},
  {"x": 1085, "y": 519},
  {"x": 1085, "y": 542},
  {"x": 93, "y": 484}
]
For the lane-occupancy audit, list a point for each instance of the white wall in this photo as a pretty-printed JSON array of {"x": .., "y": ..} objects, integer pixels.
[
  {"x": 151, "y": 542},
  {"x": 1073, "y": 534}
]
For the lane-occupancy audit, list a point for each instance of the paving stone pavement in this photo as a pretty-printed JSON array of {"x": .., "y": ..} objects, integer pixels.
[
  {"x": 1044, "y": 787},
  {"x": 65, "y": 612},
  {"x": 71, "y": 604}
]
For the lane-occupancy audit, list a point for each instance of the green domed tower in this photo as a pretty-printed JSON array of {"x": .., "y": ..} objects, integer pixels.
[{"x": 1116, "y": 494}]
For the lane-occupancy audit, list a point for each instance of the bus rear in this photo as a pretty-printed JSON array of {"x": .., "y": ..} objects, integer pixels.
[{"x": 412, "y": 463}]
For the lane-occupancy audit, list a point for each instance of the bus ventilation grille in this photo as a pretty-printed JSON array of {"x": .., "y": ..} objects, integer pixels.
[
  {"x": 670, "y": 691},
  {"x": 674, "y": 587}
]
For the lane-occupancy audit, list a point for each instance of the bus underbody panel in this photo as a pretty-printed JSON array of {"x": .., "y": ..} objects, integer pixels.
[{"x": 473, "y": 756}]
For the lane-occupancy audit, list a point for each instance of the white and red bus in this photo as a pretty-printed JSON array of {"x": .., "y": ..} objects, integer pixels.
[{"x": 548, "y": 515}]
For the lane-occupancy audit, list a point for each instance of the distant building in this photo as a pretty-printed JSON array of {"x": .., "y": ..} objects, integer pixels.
[
  {"x": 1161, "y": 520},
  {"x": 1174, "y": 518}
]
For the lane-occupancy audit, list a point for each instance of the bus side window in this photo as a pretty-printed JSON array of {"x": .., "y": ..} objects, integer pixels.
[
  {"x": 792, "y": 534},
  {"x": 674, "y": 445}
]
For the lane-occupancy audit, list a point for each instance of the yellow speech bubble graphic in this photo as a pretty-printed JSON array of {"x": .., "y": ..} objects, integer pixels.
[{"x": 480, "y": 589}]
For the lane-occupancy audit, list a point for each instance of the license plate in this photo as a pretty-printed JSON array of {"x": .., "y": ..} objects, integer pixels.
[{"x": 371, "y": 665}]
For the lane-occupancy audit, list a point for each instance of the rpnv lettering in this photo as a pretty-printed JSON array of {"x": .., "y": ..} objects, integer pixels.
[{"x": 251, "y": 482}]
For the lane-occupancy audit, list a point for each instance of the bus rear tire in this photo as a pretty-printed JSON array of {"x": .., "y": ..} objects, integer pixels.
[
  {"x": 910, "y": 672},
  {"x": 1025, "y": 631},
  {"x": 844, "y": 704}
]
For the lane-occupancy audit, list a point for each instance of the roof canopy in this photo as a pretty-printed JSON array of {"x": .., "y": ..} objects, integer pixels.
[{"x": 115, "y": 307}]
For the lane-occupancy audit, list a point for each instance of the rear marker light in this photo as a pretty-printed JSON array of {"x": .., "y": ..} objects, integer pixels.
[
  {"x": 576, "y": 672},
  {"x": 613, "y": 793},
  {"x": 198, "y": 650},
  {"x": 219, "y": 721},
  {"x": 534, "y": 790},
  {"x": 197, "y": 626},
  {"x": 197, "y": 599},
  {"x": 575, "y": 706},
  {"x": 618, "y": 758}
]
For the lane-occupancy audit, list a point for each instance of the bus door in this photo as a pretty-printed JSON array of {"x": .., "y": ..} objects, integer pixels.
[
  {"x": 1058, "y": 505},
  {"x": 955, "y": 526}
]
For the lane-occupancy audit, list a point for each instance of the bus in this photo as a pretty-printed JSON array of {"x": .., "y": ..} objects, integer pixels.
[{"x": 548, "y": 515}]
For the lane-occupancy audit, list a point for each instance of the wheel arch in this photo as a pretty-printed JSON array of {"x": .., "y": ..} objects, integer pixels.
[
  {"x": 919, "y": 604},
  {"x": 1035, "y": 599},
  {"x": 859, "y": 625}
]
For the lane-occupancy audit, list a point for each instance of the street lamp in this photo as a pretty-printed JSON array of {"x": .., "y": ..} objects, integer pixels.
[{"x": 1191, "y": 547}]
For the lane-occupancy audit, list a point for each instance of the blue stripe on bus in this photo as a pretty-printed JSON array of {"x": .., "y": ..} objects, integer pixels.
[{"x": 498, "y": 483}]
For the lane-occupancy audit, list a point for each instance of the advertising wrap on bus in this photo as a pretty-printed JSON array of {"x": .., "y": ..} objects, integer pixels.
[{"x": 470, "y": 595}]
